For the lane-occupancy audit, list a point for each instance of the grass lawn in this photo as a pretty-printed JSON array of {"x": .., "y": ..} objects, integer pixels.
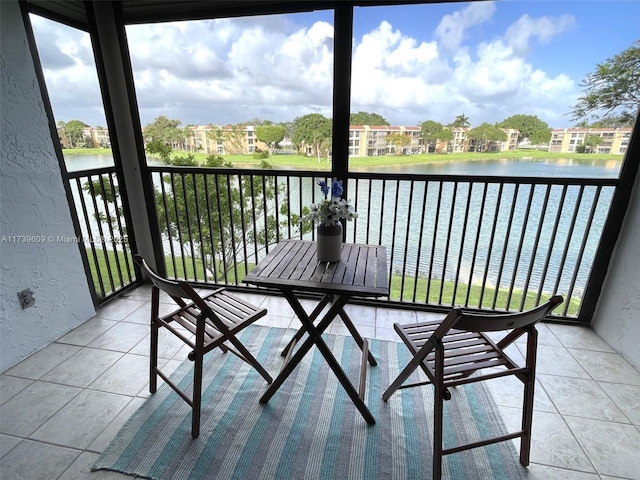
[
  {"x": 86, "y": 151},
  {"x": 474, "y": 300},
  {"x": 396, "y": 283},
  {"x": 110, "y": 263},
  {"x": 301, "y": 162}
]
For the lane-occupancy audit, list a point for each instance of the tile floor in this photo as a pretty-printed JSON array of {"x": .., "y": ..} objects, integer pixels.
[{"x": 61, "y": 406}]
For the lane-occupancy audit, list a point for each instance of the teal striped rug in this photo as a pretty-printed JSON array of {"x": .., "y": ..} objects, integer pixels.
[{"x": 309, "y": 429}]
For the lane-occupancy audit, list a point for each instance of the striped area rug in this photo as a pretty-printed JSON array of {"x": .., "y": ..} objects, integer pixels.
[{"x": 309, "y": 429}]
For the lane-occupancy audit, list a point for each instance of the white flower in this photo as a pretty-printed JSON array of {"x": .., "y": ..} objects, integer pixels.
[{"x": 329, "y": 212}]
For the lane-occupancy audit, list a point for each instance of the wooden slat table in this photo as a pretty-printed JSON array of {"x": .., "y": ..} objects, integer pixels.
[{"x": 293, "y": 267}]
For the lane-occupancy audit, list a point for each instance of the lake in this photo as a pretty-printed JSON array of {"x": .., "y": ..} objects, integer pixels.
[{"x": 529, "y": 167}]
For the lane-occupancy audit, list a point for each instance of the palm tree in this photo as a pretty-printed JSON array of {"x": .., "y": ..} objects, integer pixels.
[{"x": 461, "y": 121}]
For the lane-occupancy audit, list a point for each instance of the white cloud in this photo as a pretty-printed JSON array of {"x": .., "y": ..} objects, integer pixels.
[
  {"x": 520, "y": 33},
  {"x": 393, "y": 71},
  {"x": 220, "y": 63},
  {"x": 451, "y": 30},
  {"x": 408, "y": 82},
  {"x": 231, "y": 70}
]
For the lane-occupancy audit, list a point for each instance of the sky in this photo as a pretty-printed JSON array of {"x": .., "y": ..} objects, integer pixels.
[{"x": 486, "y": 60}]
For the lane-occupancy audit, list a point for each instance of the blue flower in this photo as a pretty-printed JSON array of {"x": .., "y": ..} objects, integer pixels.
[
  {"x": 336, "y": 188},
  {"x": 324, "y": 187}
]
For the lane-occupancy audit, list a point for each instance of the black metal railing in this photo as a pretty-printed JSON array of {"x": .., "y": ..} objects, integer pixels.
[
  {"x": 104, "y": 239},
  {"x": 499, "y": 243}
]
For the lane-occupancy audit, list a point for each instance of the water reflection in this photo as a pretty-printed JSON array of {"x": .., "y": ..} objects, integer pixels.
[
  {"x": 517, "y": 167},
  {"x": 75, "y": 163}
]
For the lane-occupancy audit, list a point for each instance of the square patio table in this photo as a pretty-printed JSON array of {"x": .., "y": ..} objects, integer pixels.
[{"x": 292, "y": 267}]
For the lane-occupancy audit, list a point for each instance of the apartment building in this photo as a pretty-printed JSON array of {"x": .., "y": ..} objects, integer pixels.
[
  {"x": 567, "y": 140},
  {"x": 97, "y": 137},
  {"x": 92, "y": 137},
  {"x": 224, "y": 140},
  {"x": 372, "y": 141},
  {"x": 461, "y": 142}
]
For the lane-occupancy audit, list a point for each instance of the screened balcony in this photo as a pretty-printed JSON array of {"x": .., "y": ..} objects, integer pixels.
[{"x": 596, "y": 334}]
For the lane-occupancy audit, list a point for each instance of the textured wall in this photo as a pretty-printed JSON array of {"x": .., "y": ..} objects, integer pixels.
[
  {"x": 34, "y": 205},
  {"x": 617, "y": 316}
]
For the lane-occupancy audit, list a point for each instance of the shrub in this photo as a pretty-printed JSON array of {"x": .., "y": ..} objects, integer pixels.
[{"x": 260, "y": 154}]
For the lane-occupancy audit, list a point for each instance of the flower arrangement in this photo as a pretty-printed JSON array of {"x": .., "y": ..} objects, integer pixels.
[{"x": 330, "y": 210}]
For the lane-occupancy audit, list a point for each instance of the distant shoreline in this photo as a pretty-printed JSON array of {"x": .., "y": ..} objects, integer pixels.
[{"x": 304, "y": 162}]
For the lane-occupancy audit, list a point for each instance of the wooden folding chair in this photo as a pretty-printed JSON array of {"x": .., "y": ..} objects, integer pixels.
[
  {"x": 451, "y": 350},
  {"x": 204, "y": 324}
]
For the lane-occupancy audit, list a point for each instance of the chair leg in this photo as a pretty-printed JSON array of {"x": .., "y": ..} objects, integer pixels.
[
  {"x": 438, "y": 411},
  {"x": 153, "y": 358},
  {"x": 197, "y": 393},
  {"x": 527, "y": 404},
  {"x": 527, "y": 420}
]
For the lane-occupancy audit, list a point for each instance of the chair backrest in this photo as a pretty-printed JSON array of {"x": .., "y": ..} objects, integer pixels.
[
  {"x": 474, "y": 322},
  {"x": 175, "y": 289}
]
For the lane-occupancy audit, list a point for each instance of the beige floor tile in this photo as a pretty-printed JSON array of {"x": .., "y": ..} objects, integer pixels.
[
  {"x": 122, "y": 337},
  {"x": 277, "y": 306},
  {"x": 142, "y": 315},
  {"x": 387, "y": 334},
  {"x": 8, "y": 443},
  {"x": 580, "y": 337},
  {"x": 120, "y": 309},
  {"x": 10, "y": 386},
  {"x": 545, "y": 336},
  {"x": 80, "y": 421},
  {"x": 556, "y": 361},
  {"x": 385, "y": 318},
  {"x": 168, "y": 345},
  {"x": 612, "y": 447},
  {"x": 125, "y": 377},
  {"x": 509, "y": 392},
  {"x": 552, "y": 443},
  {"x": 108, "y": 434},
  {"x": 36, "y": 461},
  {"x": 429, "y": 316},
  {"x": 83, "y": 368},
  {"x": 626, "y": 397},
  {"x": 607, "y": 367},
  {"x": 361, "y": 315},
  {"x": 87, "y": 332},
  {"x": 581, "y": 397},
  {"x": 43, "y": 361},
  {"x": 143, "y": 292},
  {"x": 167, "y": 367},
  {"x": 543, "y": 472},
  {"x": 33, "y": 406}
]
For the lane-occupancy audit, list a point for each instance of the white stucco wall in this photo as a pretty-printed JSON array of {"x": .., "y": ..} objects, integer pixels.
[
  {"x": 32, "y": 204},
  {"x": 617, "y": 316}
]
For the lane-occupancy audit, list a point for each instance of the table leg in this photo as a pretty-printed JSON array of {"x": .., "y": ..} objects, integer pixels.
[
  {"x": 356, "y": 335},
  {"x": 316, "y": 311},
  {"x": 304, "y": 348},
  {"x": 315, "y": 337}
]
